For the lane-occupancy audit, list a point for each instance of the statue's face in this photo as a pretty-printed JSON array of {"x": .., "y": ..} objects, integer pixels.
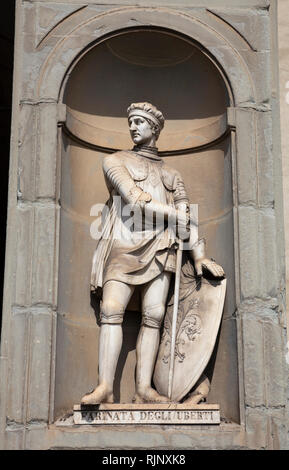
[{"x": 140, "y": 130}]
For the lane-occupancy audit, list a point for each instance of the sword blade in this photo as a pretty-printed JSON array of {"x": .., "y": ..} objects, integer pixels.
[{"x": 175, "y": 316}]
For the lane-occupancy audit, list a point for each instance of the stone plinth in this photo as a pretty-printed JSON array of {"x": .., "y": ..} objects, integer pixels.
[{"x": 135, "y": 414}]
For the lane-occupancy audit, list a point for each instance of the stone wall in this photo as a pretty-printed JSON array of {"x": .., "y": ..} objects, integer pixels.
[{"x": 51, "y": 36}]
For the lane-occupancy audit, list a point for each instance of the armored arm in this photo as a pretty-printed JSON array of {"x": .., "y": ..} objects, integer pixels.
[{"x": 119, "y": 178}]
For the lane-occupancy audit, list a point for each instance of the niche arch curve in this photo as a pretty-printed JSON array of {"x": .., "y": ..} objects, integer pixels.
[{"x": 74, "y": 173}]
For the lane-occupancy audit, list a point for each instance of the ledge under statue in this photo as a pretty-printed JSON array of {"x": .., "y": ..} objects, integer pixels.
[{"x": 182, "y": 290}]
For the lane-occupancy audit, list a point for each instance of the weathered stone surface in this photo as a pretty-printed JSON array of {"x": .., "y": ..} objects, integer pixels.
[
  {"x": 274, "y": 355},
  {"x": 242, "y": 88},
  {"x": 252, "y": 25},
  {"x": 278, "y": 430},
  {"x": 258, "y": 64},
  {"x": 261, "y": 309},
  {"x": 36, "y": 437},
  {"x": 257, "y": 429},
  {"x": 265, "y": 158},
  {"x": 254, "y": 157},
  {"x": 18, "y": 367},
  {"x": 263, "y": 359},
  {"x": 43, "y": 281},
  {"x": 52, "y": 15},
  {"x": 147, "y": 437},
  {"x": 39, "y": 371},
  {"x": 46, "y": 151},
  {"x": 258, "y": 249},
  {"x": 14, "y": 437},
  {"x": 254, "y": 365},
  {"x": 27, "y": 146},
  {"x": 23, "y": 269},
  {"x": 246, "y": 156}
]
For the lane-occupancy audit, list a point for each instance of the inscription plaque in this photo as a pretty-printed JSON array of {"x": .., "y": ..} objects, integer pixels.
[{"x": 146, "y": 414}]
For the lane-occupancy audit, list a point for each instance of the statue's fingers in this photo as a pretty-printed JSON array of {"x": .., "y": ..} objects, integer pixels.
[
  {"x": 219, "y": 271},
  {"x": 216, "y": 270}
]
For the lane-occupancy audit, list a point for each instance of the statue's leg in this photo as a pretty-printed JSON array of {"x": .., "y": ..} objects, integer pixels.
[
  {"x": 154, "y": 302},
  {"x": 116, "y": 296}
]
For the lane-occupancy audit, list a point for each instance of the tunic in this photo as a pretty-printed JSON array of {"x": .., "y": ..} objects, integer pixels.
[{"x": 135, "y": 250}]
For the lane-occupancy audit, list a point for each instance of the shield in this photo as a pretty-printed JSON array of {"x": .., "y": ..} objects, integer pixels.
[{"x": 200, "y": 311}]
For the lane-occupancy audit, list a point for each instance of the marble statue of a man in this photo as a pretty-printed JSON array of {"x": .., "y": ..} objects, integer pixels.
[{"x": 140, "y": 178}]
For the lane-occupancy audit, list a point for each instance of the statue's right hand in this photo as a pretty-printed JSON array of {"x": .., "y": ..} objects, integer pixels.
[{"x": 144, "y": 199}]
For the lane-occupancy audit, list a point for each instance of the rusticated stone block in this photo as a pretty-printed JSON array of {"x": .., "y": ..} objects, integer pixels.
[
  {"x": 252, "y": 25},
  {"x": 274, "y": 355},
  {"x": 264, "y": 357},
  {"x": 257, "y": 433},
  {"x": 246, "y": 156},
  {"x": 52, "y": 15},
  {"x": 14, "y": 437},
  {"x": 36, "y": 437},
  {"x": 17, "y": 366},
  {"x": 259, "y": 66},
  {"x": 254, "y": 157},
  {"x": 43, "y": 282},
  {"x": 25, "y": 221},
  {"x": 265, "y": 158},
  {"x": 254, "y": 367},
  {"x": 257, "y": 234},
  {"x": 46, "y": 150},
  {"x": 40, "y": 365},
  {"x": 27, "y": 152},
  {"x": 37, "y": 151},
  {"x": 277, "y": 428}
]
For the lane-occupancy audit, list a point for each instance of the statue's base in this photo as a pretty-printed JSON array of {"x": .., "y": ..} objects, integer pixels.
[{"x": 158, "y": 413}]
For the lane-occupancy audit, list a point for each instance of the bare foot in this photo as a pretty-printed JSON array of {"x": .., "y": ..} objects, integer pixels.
[
  {"x": 200, "y": 393},
  {"x": 100, "y": 395},
  {"x": 149, "y": 395},
  {"x": 194, "y": 399}
]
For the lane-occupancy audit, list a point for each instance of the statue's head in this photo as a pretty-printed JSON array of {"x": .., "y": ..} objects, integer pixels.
[{"x": 145, "y": 123}]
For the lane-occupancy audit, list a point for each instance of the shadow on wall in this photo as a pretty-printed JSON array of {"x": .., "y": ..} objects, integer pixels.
[{"x": 132, "y": 67}]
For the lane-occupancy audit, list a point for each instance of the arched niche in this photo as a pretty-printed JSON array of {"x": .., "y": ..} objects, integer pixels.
[{"x": 174, "y": 74}]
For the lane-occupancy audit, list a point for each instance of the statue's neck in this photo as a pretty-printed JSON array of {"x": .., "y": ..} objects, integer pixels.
[{"x": 147, "y": 151}]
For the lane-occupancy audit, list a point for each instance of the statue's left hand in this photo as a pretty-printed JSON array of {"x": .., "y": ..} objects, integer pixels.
[{"x": 215, "y": 269}]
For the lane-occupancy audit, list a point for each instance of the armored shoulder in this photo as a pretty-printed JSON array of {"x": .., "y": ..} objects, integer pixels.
[
  {"x": 114, "y": 160},
  {"x": 118, "y": 177},
  {"x": 170, "y": 177},
  {"x": 173, "y": 181}
]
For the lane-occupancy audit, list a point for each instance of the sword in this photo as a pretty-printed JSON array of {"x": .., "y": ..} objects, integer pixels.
[{"x": 175, "y": 316}]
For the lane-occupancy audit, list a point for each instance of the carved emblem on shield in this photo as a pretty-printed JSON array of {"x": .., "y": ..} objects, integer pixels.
[{"x": 199, "y": 317}]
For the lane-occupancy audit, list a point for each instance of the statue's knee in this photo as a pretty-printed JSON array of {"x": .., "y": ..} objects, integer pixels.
[
  {"x": 112, "y": 312},
  {"x": 153, "y": 316}
]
